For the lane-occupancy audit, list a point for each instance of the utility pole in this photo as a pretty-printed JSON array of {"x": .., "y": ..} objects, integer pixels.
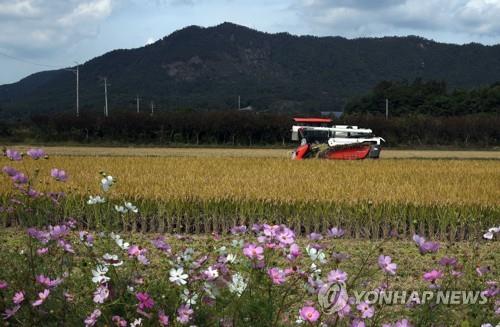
[
  {"x": 386, "y": 109},
  {"x": 239, "y": 102},
  {"x": 77, "y": 90},
  {"x": 106, "y": 112},
  {"x": 152, "y": 107},
  {"x": 77, "y": 73},
  {"x": 137, "y": 101}
]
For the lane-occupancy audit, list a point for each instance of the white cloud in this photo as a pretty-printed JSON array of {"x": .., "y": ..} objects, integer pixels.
[
  {"x": 468, "y": 19},
  {"x": 40, "y": 26},
  {"x": 18, "y": 8}
]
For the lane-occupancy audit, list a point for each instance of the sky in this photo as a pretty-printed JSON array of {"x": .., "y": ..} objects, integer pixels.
[{"x": 38, "y": 35}]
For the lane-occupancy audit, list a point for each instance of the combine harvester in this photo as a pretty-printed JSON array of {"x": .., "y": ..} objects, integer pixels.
[{"x": 318, "y": 139}]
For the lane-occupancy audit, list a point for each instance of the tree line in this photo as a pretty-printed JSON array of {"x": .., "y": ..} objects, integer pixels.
[{"x": 233, "y": 128}]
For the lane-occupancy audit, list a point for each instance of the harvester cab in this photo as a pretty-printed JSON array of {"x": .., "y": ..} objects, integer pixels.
[{"x": 319, "y": 139}]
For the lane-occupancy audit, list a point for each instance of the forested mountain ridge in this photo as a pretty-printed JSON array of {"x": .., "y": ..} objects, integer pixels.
[{"x": 207, "y": 68}]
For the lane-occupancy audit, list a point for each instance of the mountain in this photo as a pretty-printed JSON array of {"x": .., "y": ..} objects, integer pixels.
[{"x": 207, "y": 68}]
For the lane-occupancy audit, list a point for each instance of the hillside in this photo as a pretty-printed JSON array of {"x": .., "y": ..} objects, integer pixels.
[{"x": 207, "y": 68}]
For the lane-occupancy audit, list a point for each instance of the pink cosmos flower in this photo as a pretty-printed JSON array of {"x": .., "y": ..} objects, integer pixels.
[
  {"x": 447, "y": 261},
  {"x": 35, "y": 153},
  {"x": 184, "y": 314},
  {"x": 10, "y": 171},
  {"x": 13, "y": 155},
  {"x": 335, "y": 232},
  {"x": 253, "y": 251},
  {"x": 59, "y": 175},
  {"x": 425, "y": 246},
  {"x": 277, "y": 276},
  {"x": 337, "y": 276},
  {"x": 162, "y": 318},
  {"x": 47, "y": 282},
  {"x": 309, "y": 313},
  {"x": 386, "y": 264},
  {"x": 285, "y": 236},
  {"x": 366, "y": 310},
  {"x": 402, "y": 323},
  {"x": 42, "y": 296},
  {"x": 18, "y": 297},
  {"x": 358, "y": 323},
  {"x": 3, "y": 284},
  {"x": 101, "y": 294},
  {"x": 10, "y": 312},
  {"x": 235, "y": 230},
  {"x": 433, "y": 275},
  {"x": 92, "y": 319},
  {"x": 294, "y": 252},
  {"x": 20, "y": 178},
  {"x": 145, "y": 300},
  {"x": 119, "y": 321},
  {"x": 315, "y": 236}
]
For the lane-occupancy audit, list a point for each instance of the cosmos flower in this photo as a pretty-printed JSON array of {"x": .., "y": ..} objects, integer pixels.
[
  {"x": 95, "y": 200},
  {"x": 35, "y": 153},
  {"x": 386, "y": 264},
  {"x": 210, "y": 273},
  {"x": 59, "y": 175},
  {"x": 433, "y": 275},
  {"x": 92, "y": 319},
  {"x": 131, "y": 207},
  {"x": 99, "y": 274},
  {"x": 491, "y": 233},
  {"x": 162, "y": 318},
  {"x": 13, "y": 155},
  {"x": 145, "y": 300},
  {"x": 42, "y": 296},
  {"x": 309, "y": 313},
  {"x": 366, "y": 310},
  {"x": 107, "y": 182},
  {"x": 184, "y": 314},
  {"x": 336, "y": 232},
  {"x": 277, "y": 276},
  {"x": 238, "y": 284},
  {"x": 18, "y": 297},
  {"x": 101, "y": 294},
  {"x": 177, "y": 276},
  {"x": 337, "y": 276},
  {"x": 253, "y": 251}
]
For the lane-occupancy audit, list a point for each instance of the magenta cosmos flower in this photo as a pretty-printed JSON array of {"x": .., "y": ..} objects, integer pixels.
[
  {"x": 253, "y": 251},
  {"x": 386, "y": 264},
  {"x": 59, "y": 175},
  {"x": 145, "y": 300},
  {"x": 309, "y": 313},
  {"x": 433, "y": 275},
  {"x": 35, "y": 153}
]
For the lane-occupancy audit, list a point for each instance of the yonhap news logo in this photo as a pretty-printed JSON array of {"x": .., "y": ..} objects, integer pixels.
[{"x": 333, "y": 297}]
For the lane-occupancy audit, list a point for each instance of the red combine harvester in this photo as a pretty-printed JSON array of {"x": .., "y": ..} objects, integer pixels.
[{"x": 319, "y": 139}]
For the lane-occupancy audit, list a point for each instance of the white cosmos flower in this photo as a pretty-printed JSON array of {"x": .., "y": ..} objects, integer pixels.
[
  {"x": 121, "y": 209},
  {"x": 491, "y": 233},
  {"x": 137, "y": 322},
  {"x": 237, "y": 285},
  {"x": 231, "y": 258},
  {"x": 131, "y": 207},
  {"x": 122, "y": 244},
  {"x": 112, "y": 259},
  {"x": 237, "y": 243},
  {"x": 95, "y": 200},
  {"x": 177, "y": 276},
  {"x": 106, "y": 183},
  {"x": 188, "y": 297},
  {"x": 100, "y": 274},
  {"x": 316, "y": 254}
]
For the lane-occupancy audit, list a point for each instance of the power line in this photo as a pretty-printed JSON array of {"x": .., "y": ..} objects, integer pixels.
[{"x": 27, "y": 61}]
